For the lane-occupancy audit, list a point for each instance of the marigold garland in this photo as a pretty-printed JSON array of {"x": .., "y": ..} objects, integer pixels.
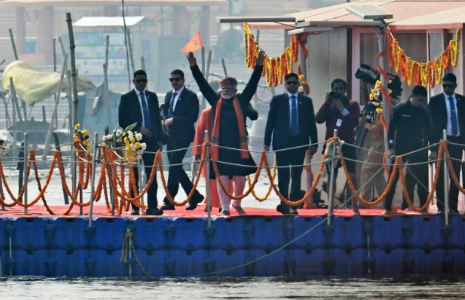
[
  {"x": 276, "y": 68},
  {"x": 426, "y": 74}
]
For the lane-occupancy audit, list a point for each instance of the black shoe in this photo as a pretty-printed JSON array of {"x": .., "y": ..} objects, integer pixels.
[
  {"x": 135, "y": 213},
  {"x": 168, "y": 206},
  {"x": 194, "y": 202},
  {"x": 293, "y": 210},
  {"x": 154, "y": 212},
  {"x": 282, "y": 208},
  {"x": 205, "y": 209}
]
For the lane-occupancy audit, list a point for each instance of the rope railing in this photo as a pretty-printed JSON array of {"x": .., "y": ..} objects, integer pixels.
[{"x": 114, "y": 170}]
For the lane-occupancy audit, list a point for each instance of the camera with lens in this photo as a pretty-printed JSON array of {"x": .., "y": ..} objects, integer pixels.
[
  {"x": 333, "y": 95},
  {"x": 367, "y": 74},
  {"x": 371, "y": 76}
]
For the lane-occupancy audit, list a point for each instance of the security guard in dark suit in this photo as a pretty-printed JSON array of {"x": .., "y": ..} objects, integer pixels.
[
  {"x": 449, "y": 114},
  {"x": 408, "y": 132}
]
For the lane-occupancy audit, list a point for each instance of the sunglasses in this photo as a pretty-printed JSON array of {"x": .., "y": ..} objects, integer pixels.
[
  {"x": 447, "y": 85},
  {"x": 141, "y": 80},
  {"x": 292, "y": 82},
  {"x": 175, "y": 79}
]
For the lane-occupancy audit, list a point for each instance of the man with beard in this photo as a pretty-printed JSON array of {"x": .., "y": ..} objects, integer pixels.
[{"x": 229, "y": 137}]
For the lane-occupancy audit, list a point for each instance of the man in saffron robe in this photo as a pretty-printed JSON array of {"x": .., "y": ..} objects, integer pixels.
[{"x": 229, "y": 138}]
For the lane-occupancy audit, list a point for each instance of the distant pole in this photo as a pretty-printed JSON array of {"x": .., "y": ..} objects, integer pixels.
[
  {"x": 55, "y": 108},
  {"x": 15, "y": 129},
  {"x": 70, "y": 104},
  {"x": 13, "y": 44},
  {"x": 72, "y": 48},
  {"x": 224, "y": 67},
  {"x": 207, "y": 73},
  {"x": 105, "y": 68},
  {"x": 203, "y": 61},
  {"x": 126, "y": 44},
  {"x": 54, "y": 44},
  {"x": 142, "y": 63},
  {"x": 131, "y": 55},
  {"x": 63, "y": 51}
]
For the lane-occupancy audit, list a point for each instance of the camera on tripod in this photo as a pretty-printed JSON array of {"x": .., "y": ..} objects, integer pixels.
[{"x": 371, "y": 76}]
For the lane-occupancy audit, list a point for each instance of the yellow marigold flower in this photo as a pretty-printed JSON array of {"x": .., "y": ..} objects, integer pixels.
[
  {"x": 77, "y": 126},
  {"x": 379, "y": 110},
  {"x": 374, "y": 91},
  {"x": 372, "y": 97},
  {"x": 127, "y": 148},
  {"x": 137, "y": 145},
  {"x": 84, "y": 132},
  {"x": 133, "y": 140},
  {"x": 126, "y": 140}
]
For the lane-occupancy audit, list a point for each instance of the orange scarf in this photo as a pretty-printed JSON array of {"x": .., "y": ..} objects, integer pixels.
[{"x": 240, "y": 123}]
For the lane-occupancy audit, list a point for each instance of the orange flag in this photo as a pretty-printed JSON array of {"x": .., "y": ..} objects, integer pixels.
[{"x": 194, "y": 44}]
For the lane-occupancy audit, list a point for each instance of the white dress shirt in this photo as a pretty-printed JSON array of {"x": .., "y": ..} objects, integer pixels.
[{"x": 176, "y": 98}]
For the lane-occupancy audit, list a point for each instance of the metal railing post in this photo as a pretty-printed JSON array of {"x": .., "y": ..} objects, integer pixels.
[
  {"x": 26, "y": 157},
  {"x": 446, "y": 182},
  {"x": 207, "y": 178},
  {"x": 332, "y": 159},
  {"x": 139, "y": 171},
  {"x": 92, "y": 182}
]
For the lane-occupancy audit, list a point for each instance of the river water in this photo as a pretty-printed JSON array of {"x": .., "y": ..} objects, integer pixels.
[{"x": 233, "y": 288}]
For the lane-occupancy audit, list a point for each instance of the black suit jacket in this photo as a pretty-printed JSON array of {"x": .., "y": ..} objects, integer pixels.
[
  {"x": 278, "y": 123},
  {"x": 130, "y": 111},
  {"x": 184, "y": 116},
  {"x": 438, "y": 110}
]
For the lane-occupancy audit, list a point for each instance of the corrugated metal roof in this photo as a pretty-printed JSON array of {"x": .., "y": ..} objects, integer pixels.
[
  {"x": 447, "y": 19},
  {"x": 70, "y": 3},
  {"x": 411, "y": 12}
]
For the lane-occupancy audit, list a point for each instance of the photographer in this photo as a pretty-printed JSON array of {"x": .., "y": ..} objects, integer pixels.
[{"x": 341, "y": 113}]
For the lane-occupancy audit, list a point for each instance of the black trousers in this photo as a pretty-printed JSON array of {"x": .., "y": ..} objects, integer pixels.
[
  {"x": 415, "y": 175},
  {"x": 148, "y": 159},
  {"x": 176, "y": 174},
  {"x": 294, "y": 159},
  {"x": 455, "y": 152}
]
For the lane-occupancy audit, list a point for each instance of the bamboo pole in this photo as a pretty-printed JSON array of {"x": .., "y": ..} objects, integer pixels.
[
  {"x": 63, "y": 51},
  {"x": 13, "y": 44},
  {"x": 105, "y": 66},
  {"x": 224, "y": 67},
  {"x": 55, "y": 108},
  {"x": 70, "y": 104},
  {"x": 13, "y": 99},
  {"x": 72, "y": 48},
  {"x": 7, "y": 115},
  {"x": 131, "y": 55}
]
